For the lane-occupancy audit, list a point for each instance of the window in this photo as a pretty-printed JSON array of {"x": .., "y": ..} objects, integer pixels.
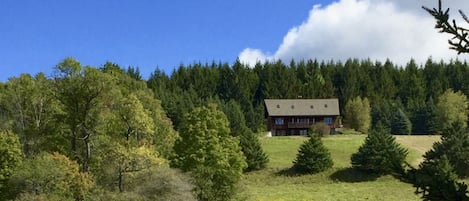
[
  {"x": 279, "y": 121},
  {"x": 328, "y": 120},
  {"x": 303, "y": 132}
]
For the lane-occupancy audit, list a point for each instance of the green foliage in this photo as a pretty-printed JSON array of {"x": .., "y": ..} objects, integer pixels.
[
  {"x": 437, "y": 180},
  {"x": 321, "y": 129},
  {"x": 207, "y": 149},
  {"x": 256, "y": 158},
  {"x": 312, "y": 157},
  {"x": 454, "y": 146},
  {"x": 158, "y": 183},
  {"x": 10, "y": 157},
  {"x": 400, "y": 123},
  {"x": 50, "y": 175},
  {"x": 33, "y": 110},
  {"x": 380, "y": 153},
  {"x": 452, "y": 107},
  {"x": 358, "y": 114}
]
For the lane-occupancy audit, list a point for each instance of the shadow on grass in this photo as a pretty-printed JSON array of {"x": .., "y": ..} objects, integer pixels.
[
  {"x": 290, "y": 172},
  {"x": 352, "y": 175}
]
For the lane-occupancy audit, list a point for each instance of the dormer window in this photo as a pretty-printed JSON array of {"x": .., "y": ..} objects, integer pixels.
[
  {"x": 312, "y": 107},
  {"x": 278, "y": 106},
  {"x": 292, "y": 107},
  {"x": 325, "y": 105}
]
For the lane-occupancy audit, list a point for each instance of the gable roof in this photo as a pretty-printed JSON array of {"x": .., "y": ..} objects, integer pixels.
[{"x": 302, "y": 107}]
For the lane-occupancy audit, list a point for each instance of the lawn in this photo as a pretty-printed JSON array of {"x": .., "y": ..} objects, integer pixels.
[{"x": 339, "y": 183}]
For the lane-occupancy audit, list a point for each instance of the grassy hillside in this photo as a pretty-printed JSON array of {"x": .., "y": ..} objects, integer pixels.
[{"x": 338, "y": 183}]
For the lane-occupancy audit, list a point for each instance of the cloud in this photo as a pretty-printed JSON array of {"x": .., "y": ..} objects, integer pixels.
[{"x": 378, "y": 30}]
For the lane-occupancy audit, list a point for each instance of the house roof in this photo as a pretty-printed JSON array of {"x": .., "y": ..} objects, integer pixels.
[{"x": 302, "y": 107}]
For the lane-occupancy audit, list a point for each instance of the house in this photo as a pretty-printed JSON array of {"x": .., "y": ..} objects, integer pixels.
[{"x": 296, "y": 116}]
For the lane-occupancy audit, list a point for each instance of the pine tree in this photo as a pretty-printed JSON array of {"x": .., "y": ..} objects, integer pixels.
[
  {"x": 380, "y": 153},
  {"x": 455, "y": 146},
  {"x": 312, "y": 157},
  {"x": 400, "y": 123},
  {"x": 437, "y": 180},
  {"x": 256, "y": 158}
]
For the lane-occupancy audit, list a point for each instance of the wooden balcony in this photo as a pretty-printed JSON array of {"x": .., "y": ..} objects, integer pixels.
[{"x": 299, "y": 125}]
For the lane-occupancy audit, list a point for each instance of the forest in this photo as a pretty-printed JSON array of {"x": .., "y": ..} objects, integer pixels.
[{"x": 106, "y": 133}]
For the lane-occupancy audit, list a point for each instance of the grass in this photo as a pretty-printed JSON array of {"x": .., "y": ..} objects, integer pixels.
[{"x": 338, "y": 183}]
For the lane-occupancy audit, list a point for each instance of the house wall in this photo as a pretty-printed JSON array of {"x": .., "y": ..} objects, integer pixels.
[{"x": 296, "y": 125}]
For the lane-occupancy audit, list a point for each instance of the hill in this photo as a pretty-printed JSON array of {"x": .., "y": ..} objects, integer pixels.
[{"x": 339, "y": 183}]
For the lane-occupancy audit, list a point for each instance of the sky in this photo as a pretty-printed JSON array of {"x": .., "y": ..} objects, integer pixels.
[{"x": 149, "y": 34}]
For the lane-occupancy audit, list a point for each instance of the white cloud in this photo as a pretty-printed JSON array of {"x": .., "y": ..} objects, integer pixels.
[{"x": 378, "y": 30}]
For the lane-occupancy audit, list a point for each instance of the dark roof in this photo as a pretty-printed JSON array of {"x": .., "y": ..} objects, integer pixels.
[{"x": 302, "y": 107}]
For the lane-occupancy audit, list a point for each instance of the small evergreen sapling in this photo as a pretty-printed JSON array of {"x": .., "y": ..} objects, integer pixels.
[{"x": 312, "y": 157}]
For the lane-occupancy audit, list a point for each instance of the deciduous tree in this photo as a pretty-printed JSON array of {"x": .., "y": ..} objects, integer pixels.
[
  {"x": 452, "y": 107},
  {"x": 207, "y": 149},
  {"x": 358, "y": 114}
]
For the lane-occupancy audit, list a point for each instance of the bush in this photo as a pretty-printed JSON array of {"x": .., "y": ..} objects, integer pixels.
[
  {"x": 312, "y": 157},
  {"x": 320, "y": 129},
  {"x": 380, "y": 153}
]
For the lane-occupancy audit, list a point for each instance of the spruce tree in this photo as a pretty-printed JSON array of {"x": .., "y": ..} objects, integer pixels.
[
  {"x": 400, "y": 123},
  {"x": 256, "y": 158},
  {"x": 437, "y": 180},
  {"x": 454, "y": 145},
  {"x": 380, "y": 153},
  {"x": 312, "y": 157}
]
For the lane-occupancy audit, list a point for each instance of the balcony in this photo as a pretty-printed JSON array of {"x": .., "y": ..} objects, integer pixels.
[{"x": 299, "y": 125}]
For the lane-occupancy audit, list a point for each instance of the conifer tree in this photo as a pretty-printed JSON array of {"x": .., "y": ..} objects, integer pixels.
[
  {"x": 312, "y": 157},
  {"x": 455, "y": 146},
  {"x": 437, "y": 180},
  {"x": 256, "y": 158},
  {"x": 380, "y": 153},
  {"x": 400, "y": 123}
]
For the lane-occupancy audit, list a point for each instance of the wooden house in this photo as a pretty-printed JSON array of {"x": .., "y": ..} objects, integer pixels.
[{"x": 296, "y": 116}]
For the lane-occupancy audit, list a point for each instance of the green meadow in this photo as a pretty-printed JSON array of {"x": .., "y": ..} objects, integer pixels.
[{"x": 338, "y": 183}]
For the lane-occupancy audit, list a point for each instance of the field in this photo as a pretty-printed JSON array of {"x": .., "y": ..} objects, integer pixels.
[{"x": 339, "y": 183}]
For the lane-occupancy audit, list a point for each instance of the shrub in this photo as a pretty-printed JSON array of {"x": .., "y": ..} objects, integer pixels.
[
  {"x": 320, "y": 129},
  {"x": 312, "y": 157}
]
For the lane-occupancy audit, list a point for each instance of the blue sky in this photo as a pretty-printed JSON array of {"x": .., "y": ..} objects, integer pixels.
[{"x": 36, "y": 35}]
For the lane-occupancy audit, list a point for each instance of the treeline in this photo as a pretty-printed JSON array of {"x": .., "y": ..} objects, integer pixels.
[
  {"x": 90, "y": 133},
  {"x": 411, "y": 88}
]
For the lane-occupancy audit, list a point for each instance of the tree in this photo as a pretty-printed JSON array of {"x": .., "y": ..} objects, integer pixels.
[
  {"x": 10, "y": 157},
  {"x": 454, "y": 145},
  {"x": 452, "y": 107},
  {"x": 79, "y": 90},
  {"x": 358, "y": 114},
  {"x": 460, "y": 40},
  {"x": 380, "y": 153},
  {"x": 400, "y": 123},
  {"x": 256, "y": 158},
  {"x": 436, "y": 180},
  {"x": 50, "y": 175},
  {"x": 208, "y": 151},
  {"x": 33, "y": 109},
  {"x": 312, "y": 157}
]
